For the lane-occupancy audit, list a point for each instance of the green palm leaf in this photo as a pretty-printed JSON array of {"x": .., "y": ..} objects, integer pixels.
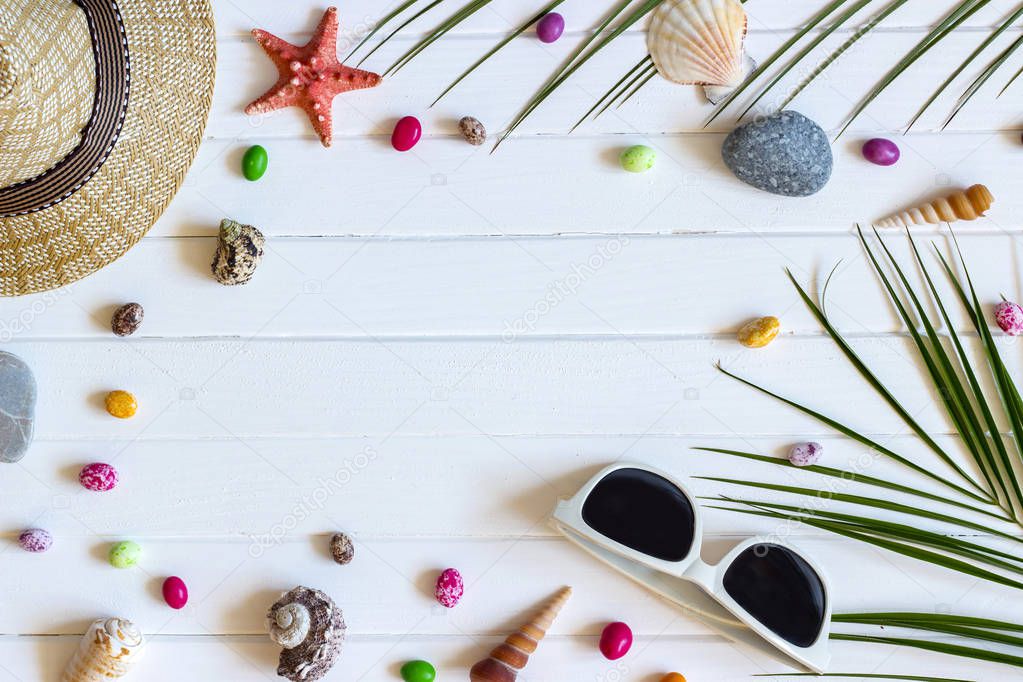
[
  {"x": 866, "y": 676},
  {"x": 436, "y": 34},
  {"x": 930, "y": 618},
  {"x": 983, "y": 78},
  {"x": 939, "y": 647},
  {"x": 386, "y": 19},
  {"x": 400, "y": 26}
]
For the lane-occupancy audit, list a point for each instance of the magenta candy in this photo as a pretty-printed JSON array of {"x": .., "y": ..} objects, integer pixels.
[
  {"x": 615, "y": 641},
  {"x": 1009, "y": 317},
  {"x": 175, "y": 592},
  {"x": 805, "y": 454},
  {"x": 550, "y": 27},
  {"x": 881, "y": 151},
  {"x": 35, "y": 540},
  {"x": 407, "y": 132},
  {"x": 450, "y": 588},
  {"x": 98, "y": 477}
]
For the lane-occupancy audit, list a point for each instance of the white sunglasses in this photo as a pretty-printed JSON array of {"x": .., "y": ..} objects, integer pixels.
[{"x": 645, "y": 524}]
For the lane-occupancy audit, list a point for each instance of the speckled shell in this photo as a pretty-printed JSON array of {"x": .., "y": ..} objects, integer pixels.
[
  {"x": 699, "y": 42},
  {"x": 108, "y": 651},
  {"x": 311, "y": 628},
  {"x": 508, "y": 658},
  {"x": 239, "y": 252},
  {"x": 959, "y": 205}
]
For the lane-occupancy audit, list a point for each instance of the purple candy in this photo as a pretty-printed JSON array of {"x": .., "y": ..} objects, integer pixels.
[
  {"x": 35, "y": 540},
  {"x": 881, "y": 151},
  {"x": 1009, "y": 317},
  {"x": 550, "y": 27},
  {"x": 805, "y": 454},
  {"x": 98, "y": 477}
]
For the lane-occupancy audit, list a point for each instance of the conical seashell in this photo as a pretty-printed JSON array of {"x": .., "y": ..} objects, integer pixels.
[
  {"x": 310, "y": 627},
  {"x": 508, "y": 658},
  {"x": 699, "y": 42},
  {"x": 108, "y": 650},
  {"x": 959, "y": 205}
]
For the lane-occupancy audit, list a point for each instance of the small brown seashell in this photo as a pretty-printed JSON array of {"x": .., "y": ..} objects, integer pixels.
[
  {"x": 239, "y": 252},
  {"x": 341, "y": 548},
  {"x": 473, "y": 131},
  {"x": 959, "y": 205},
  {"x": 127, "y": 319},
  {"x": 511, "y": 656}
]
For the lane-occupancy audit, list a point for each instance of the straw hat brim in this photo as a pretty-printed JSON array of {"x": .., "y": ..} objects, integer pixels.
[{"x": 172, "y": 46}]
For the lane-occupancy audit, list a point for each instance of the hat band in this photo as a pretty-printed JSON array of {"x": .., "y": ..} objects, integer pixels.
[{"x": 110, "y": 49}]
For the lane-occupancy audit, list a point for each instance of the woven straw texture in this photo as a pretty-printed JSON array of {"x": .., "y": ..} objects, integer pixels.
[{"x": 173, "y": 58}]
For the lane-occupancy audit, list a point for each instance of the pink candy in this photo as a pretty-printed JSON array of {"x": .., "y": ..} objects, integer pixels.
[
  {"x": 450, "y": 588},
  {"x": 1009, "y": 317},
  {"x": 98, "y": 477},
  {"x": 175, "y": 592},
  {"x": 615, "y": 641},
  {"x": 407, "y": 132},
  {"x": 805, "y": 454},
  {"x": 35, "y": 540}
]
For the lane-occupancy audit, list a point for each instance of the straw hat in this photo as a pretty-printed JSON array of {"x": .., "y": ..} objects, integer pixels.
[{"x": 102, "y": 107}]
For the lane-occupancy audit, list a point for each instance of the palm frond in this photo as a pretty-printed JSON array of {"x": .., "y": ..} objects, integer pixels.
[
  {"x": 436, "y": 34},
  {"x": 398, "y": 29},
  {"x": 386, "y": 19},
  {"x": 939, "y": 647},
  {"x": 983, "y": 78},
  {"x": 930, "y": 618},
  {"x": 867, "y": 676},
  {"x": 616, "y": 90}
]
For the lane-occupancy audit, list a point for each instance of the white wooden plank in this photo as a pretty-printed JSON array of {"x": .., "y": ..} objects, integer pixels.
[
  {"x": 527, "y": 287},
  {"x": 568, "y": 186},
  {"x": 377, "y": 659},
  {"x": 388, "y": 588},
  {"x": 490, "y": 487},
  {"x": 240, "y": 389}
]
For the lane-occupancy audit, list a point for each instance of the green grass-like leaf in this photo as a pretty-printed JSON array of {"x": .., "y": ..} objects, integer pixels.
[
  {"x": 386, "y": 19},
  {"x": 939, "y": 647},
  {"x": 400, "y": 26},
  {"x": 867, "y": 676}
]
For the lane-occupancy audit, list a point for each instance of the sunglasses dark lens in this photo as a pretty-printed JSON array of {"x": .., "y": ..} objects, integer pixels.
[
  {"x": 643, "y": 511},
  {"x": 778, "y": 588}
]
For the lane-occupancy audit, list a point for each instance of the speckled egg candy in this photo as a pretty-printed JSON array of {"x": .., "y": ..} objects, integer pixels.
[
  {"x": 450, "y": 588},
  {"x": 550, "y": 28},
  {"x": 121, "y": 404},
  {"x": 98, "y": 477},
  {"x": 805, "y": 454},
  {"x": 1009, "y": 317},
  {"x": 881, "y": 152},
  {"x": 615, "y": 641},
  {"x": 759, "y": 332},
  {"x": 125, "y": 554},
  {"x": 638, "y": 158},
  {"x": 35, "y": 540},
  {"x": 407, "y": 132},
  {"x": 418, "y": 671},
  {"x": 175, "y": 592}
]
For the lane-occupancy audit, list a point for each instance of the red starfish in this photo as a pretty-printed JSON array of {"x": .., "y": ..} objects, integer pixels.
[{"x": 311, "y": 76}]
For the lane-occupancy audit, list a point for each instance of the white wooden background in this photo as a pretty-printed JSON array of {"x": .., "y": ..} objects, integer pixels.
[{"x": 366, "y": 380}]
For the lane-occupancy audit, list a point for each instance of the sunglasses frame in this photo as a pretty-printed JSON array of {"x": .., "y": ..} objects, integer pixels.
[{"x": 711, "y": 603}]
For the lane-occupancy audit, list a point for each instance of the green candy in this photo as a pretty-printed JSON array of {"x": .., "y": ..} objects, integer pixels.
[
  {"x": 254, "y": 163},
  {"x": 125, "y": 554},
  {"x": 418, "y": 671},
  {"x": 638, "y": 158}
]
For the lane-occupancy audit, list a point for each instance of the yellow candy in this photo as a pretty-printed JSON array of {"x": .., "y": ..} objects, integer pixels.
[
  {"x": 759, "y": 332},
  {"x": 673, "y": 677},
  {"x": 122, "y": 404}
]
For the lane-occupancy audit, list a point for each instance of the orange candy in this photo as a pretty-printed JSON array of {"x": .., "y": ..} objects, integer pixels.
[
  {"x": 121, "y": 404},
  {"x": 673, "y": 677}
]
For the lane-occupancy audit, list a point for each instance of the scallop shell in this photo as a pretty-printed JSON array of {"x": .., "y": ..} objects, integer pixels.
[
  {"x": 310, "y": 627},
  {"x": 108, "y": 651},
  {"x": 699, "y": 42}
]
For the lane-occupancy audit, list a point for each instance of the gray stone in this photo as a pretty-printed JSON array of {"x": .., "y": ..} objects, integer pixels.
[
  {"x": 785, "y": 153},
  {"x": 17, "y": 407}
]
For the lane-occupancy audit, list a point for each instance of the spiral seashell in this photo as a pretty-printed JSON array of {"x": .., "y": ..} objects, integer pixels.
[
  {"x": 311, "y": 628},
  {"x": 108, "y": 651},
  {"x": 699, "y": 42},
  {"x": 960, "y": 205},
  {"x": 508, "y": 658}
]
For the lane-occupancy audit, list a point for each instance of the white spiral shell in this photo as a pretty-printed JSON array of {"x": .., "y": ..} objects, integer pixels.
[
  {"x": 290, "y": 625},
  {"x": 109, "y": 649},
  {"x": 699, "y": 42}
]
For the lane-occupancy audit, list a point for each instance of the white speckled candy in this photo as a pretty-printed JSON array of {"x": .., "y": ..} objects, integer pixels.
[
  {"x": 1009, "y": 317},
  {"x": 98, "y": 477},
  {"x": 35, "y": 540},
  {"x": 805, "y": 454}
]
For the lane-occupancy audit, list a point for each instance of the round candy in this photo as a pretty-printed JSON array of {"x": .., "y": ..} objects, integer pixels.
[
  {"x": 638, "y": 158},
  {"x": 550, "y": 27},
  {"x": 1009, "y": 317},
  {"x": 35, "y": 540},
  {"x": 450, "y": 587},
  {"x": 175, "y": 592},
  {"x": 407, "y": 132},
  {"x": 127, "y": 319},
  {"x": 98, "y": 477},
  {"x": 673, "y": 677},
  {"x": 341, "y": 548},
  {"x": 759, "y": 332},
  {"x": 881, "y": 151},
  {"x": 254, "y": 163},
  {"x": 122, "y": 404},
  {"x": 474, "y": 132},
  {"x": 418, "y": 671},
  {"x": 615, "y": 641},
  {"x": 805, "y": 454},
  {"x": 125, "y": 554}
]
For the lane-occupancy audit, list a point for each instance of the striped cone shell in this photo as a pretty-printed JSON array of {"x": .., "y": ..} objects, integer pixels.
[
  {"x": 959, "y": 205},
  {"x": 108, "y": 651}
]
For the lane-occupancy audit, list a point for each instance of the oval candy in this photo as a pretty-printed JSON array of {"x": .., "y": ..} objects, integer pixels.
[
  {"x": 98, "y": 477},
  {"x": 450, "y": 588},
  {"x": 550, "y": 28},
  {"x": 35, "y": 540},
  {"x": 121, "y": 404},
  {"x": 418, "y": 671},
  {"x": 638, "y": 158},
  {"x": 615, "y": 641},
  {"x": 125, "y": 554},
  {"x": 407, "y": 132},
  {"x": 255, "y": 163},
  {"x": 881, "y": 152},
  {"x": 673, "y": 677},
  {"x": 127, "y": 319},
  {"x": 175, "y": 592}
]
